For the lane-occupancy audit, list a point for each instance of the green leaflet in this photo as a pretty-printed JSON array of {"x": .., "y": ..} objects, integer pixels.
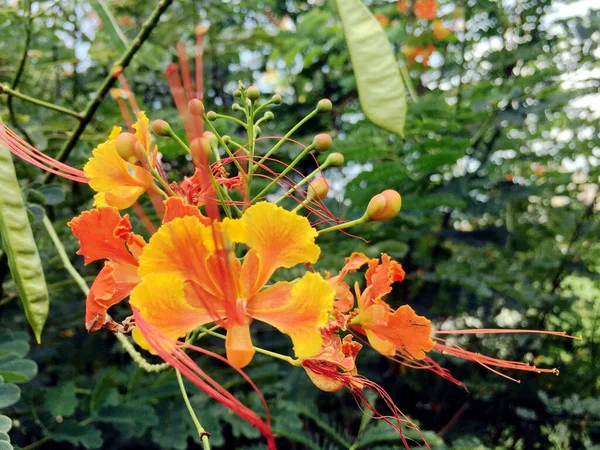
[
  {"x": 20, "y": 247},
  {"x": 110, "y": 25},
  {"x": 380, "y": 86}
]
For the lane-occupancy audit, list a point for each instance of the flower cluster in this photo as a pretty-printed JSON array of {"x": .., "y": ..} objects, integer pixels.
[{"x": 213, "y": 258}]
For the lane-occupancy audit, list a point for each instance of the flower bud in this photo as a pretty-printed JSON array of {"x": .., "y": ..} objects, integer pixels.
[
  {"x": 196, "y": 107},
  {"x": 322, "y": 142},
  {"x": 269, "y": 116},
  {"x": 226, "y": 139},
  {"x": 257, "y": 131},
  {"x": 237, "y": 107},
  {"x": 252, "y": 93},
  {"x": 237, "y": 93},
  {"x": 126, "y": 145},
  {"x": 384, "y": 206},
  {"x": 276, "y": 99},
  {"x": 212, "y": 139},
  {"x": 161, "y": 128},
  {"x": 200, "y": 148},
  {"x": 335, "y": 160},
  {"x": 324, "y": 105},
  {"x": 211, "y": 115},
  {"x": 318, "y": 188}
]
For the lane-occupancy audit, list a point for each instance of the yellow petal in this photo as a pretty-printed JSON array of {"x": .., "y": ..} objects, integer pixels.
[
  {"x": 142, "y": 132},
  {"x": 279, "y": 238},
  {"x": 297, "y": 309},
  {"x": 160, "y": 299},
  {"x": 234, "y": 229},
  {"x": 179, "y": 247}
]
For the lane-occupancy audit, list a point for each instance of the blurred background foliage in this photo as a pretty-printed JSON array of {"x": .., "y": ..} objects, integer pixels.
[{"x": 499, "y": 176}]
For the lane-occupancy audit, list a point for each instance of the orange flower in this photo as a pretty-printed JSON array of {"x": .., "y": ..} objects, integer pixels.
[
  {"x": 118, "y": 182},
  {"x": 425, "y": 9},
  {"x": 388, "y": 331},
  {"x": 402, "y": 5},
  {"x": 104, "y": 234},
  {"x": 190, "y": 277}
]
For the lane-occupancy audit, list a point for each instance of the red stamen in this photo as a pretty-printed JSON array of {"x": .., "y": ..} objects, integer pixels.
[
  {"x": 125, "y": 113},
  {"x": 172, "y": 352},
  {"x": 172, "y": 74},
  {"x": 199, "y": 62},
  {"x": 144, "y": 218},
  {"x": 185, "y": 71},
  {"x": 130, "y": 96},
  {"x": 30, "y": 154}
]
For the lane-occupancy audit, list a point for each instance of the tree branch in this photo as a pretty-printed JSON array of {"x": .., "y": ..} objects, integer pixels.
[
  {"x": 109, "y": 81},
  {"x": 36, "y": 101}
]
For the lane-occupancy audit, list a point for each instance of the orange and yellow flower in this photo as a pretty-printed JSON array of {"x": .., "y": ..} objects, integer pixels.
[
  {"x": 191, "y": 276},
  {"x": 119, "y": 182}
]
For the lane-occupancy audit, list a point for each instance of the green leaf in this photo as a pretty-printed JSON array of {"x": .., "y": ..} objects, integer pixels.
[
  {"x": 380, "y": 86},
  {"x": 52, "y": 195},
  {"x": 17, "y": 348},
  {"x": 5, "y": 424},
  {"x": 70, "y": 431},
  {"x": 110, "y": 25},
  {"x": 9, "y": 393},
  {"x": 5, "y": 446},
  {"x": 20, "y": 247},
  {"x": 17, "y": 370},
  {"x": 61, "y": 400}
]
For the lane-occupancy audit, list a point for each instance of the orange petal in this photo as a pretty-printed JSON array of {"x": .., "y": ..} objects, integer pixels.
[
  {"x": 354, "y": 262},
  {"x": 239, "y": 345},
  {"x": 174, "y": 208},
  {"x": 279, "y": 238},
  {"x": 380, "y": 278},
  {"x": 180, "y": 247},
  {"x": 109, "y": 173},
  {"x": 100, "y": 234},
  {"x": 410, "y": 333},
  {"x": 114, "y": 282},
  {"x": 160, "y": 299},
  {"x": 297, "y": 309}
]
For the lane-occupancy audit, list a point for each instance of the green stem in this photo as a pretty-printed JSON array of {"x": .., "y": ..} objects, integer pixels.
[
  {"x": 409, "y": 85},
  {"x": 289, "y": 133},
  {"x": 303, "y": 181},
  {"x": 284, "y": 172},
  {"x": 251, "y": 144},
  {"x": 288, "y": 359},
  {"x": 110, "y": 81},
  {"x": 201, "y": 431},
  {"x": 220, "y": 139},
  {"x": 182, "y": 144},
  {"x": 163, "y": 183},
  {"x": 14, "y": 93},
  {"x": 232, "y": 119},
  {"x": 344, "y": 225},
  {"x": 64, "y": 257},
  {"x": 137, "y": 356}
]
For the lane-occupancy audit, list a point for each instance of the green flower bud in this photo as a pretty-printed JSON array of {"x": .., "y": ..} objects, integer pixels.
[
  {"x": 257, "y": 131},
  {"x": 196, "y": 107},
  {"x": 269, "y": 115},
  {"x": 322, "y": 142},
  {"x": 237, "y": 93},
  {"x": 335, "y": 160},
  {"x": 384, "y": 206},
  {"x": 276, "y": 99},
  {"x": 252, "y": 93},
  {"x": 226, "y": 139},
  {"x": 211, "y": 115},
  {"x": 324, "y": 105},
  {"x": 237, "y": 107},
  {"x": 212, "y": 139},
  {"x": 161, "y": 128}
]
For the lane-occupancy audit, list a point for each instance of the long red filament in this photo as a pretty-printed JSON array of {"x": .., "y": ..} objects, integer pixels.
[
  {"x": 129, "y": 92},
  {"x": 30, "y": 154},
  {"x": 171, "y": 352},
  {"x": 177, "y": 91}
]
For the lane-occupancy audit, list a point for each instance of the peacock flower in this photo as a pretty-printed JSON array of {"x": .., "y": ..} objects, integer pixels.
[
  {"x": 119, "y": 169},
  {"x": 388, "y": 331},
  {"x": 191, "y": 276},
  {"x": 104, "y": 234}
]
